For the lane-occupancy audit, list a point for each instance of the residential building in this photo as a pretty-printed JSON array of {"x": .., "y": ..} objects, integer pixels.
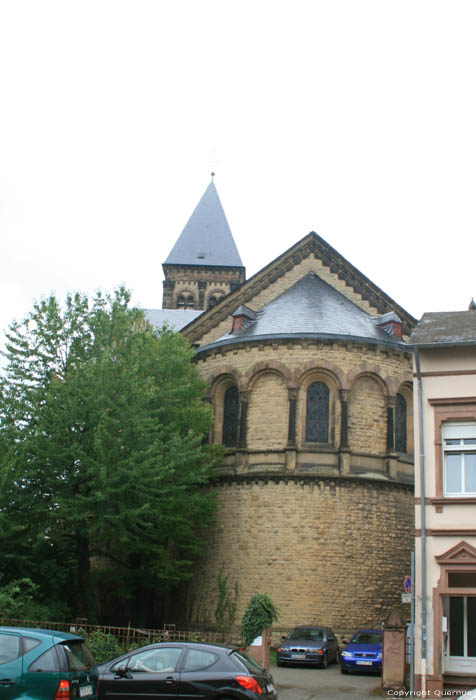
[{"x": 445, "y": 491}]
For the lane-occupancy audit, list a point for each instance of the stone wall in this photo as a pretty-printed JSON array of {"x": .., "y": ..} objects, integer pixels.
[{"x": 328, "y": 551}]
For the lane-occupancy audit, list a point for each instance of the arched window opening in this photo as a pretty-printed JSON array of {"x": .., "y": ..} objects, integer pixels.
[
  {"x": 214, "y": 299},
  {"x": 185, "y": 301},
  {"x": 401, "y": 424},
  {"x": 317, "y": 412},
  {"x": 230, "y": 417}
]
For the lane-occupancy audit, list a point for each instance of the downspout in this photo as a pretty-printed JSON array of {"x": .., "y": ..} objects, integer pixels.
[{"x": 422, "y": 523}]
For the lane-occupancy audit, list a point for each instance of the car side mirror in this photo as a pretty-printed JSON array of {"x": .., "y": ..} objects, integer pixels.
[{"x": 122, "y": 672}]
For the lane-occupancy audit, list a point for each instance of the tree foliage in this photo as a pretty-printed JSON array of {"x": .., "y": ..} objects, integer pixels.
[{"x": 102, "y": 450}]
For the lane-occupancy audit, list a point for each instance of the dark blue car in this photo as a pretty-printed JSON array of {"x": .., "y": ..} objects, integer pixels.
[{"x": 363, "y": 652}]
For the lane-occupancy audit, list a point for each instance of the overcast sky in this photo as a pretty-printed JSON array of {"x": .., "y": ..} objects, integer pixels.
[{"x": 355, "y": 119}]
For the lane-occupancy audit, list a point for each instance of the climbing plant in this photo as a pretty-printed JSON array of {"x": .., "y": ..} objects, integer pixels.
[
  {"x": 225, "y": 613},
  {"x": 260, "y": 613}
]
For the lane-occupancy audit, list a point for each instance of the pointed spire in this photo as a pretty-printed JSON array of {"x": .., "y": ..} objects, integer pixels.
[
  {"x": 472, "y": 305},
  {"x": 207, "y": 238}
]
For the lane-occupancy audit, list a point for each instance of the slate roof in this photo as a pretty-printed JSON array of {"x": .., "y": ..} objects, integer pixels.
[
  {"x": 444, "y": 328},
  {"x": 175, "y": 318},
  {"x": 207, "y": 238},
  {"x": 311, "y": 308}
]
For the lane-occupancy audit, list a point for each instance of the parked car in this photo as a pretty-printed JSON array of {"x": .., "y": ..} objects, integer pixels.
[
  {"x": 185, "y": 669},
  {"x": 363, "y": 652},
  {"x": 308, "y": 644},
  {"x": 45, "y": 665}
]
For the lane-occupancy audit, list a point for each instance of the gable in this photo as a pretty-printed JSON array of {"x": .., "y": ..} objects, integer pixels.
[
  {"x": 461, "y": 553},
  {"x": 310, "y": 255}
]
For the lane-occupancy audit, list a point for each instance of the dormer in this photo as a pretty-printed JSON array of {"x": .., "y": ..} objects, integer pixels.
[
  {"x": 242, "y": 318},
  {"x": 391, "y": 324}
]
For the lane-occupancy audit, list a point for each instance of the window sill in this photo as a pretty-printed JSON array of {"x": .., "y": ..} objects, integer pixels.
[
  {"x": 448, "y": 500},
  {"x": 318, "y": 447}
]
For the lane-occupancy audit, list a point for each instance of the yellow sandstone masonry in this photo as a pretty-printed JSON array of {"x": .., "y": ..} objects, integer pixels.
[{"x": 331, "y": 552}]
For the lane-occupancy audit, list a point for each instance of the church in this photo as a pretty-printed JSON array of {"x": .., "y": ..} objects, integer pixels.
[{"x": 309, "y": 375}]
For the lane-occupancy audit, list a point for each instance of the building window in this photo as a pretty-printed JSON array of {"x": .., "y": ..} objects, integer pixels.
[
  {"x": 214, "y": 299},
  {"x": 317, "y": 412},
  {"x": 230, "y": 417},
  {"x": 401, "y": 424},
  {"x": 459, "y": 460},
  {"x": 185, "y": 301}
]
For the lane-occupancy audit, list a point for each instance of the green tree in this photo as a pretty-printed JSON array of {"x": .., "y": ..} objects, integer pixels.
[{"x": 102, "y": 450}]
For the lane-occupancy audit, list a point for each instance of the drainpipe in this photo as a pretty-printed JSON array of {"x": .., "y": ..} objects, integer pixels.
[{"x": 422, "y": 524}]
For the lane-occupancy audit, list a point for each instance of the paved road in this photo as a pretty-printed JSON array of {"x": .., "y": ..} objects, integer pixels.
[{"x": 318, "y": 684}]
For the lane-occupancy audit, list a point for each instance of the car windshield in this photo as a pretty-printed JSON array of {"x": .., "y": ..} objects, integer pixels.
[
  {"x": 78, "y": 656},
  {"x": 367, "y": 638},
  {"x": 313, "y": 635}
]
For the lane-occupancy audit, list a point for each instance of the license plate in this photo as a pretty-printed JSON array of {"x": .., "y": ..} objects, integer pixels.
[
  {"x": 364, "y": 663},
  {"x": 298, "y": 656},
  {"x": 85, "y": 690}
]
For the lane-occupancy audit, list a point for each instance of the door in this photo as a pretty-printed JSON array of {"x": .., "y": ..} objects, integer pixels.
[
  {"x": 460, "y": 639},
  {"x": 146, "y": 674},
  {"x": 11, "y": 665}
]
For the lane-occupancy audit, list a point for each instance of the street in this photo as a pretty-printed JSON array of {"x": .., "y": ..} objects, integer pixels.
[{"x": 315, "y": 684}]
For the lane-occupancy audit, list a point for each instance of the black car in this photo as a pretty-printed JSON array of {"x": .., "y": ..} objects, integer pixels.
[
  {"x": 185, "y": 669},
  {"x": 308, "y": 644}
]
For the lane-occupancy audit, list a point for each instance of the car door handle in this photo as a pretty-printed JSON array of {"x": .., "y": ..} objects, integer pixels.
[
  {"x": 170, "y": 679},
  {"x": 7, "y": 681}
]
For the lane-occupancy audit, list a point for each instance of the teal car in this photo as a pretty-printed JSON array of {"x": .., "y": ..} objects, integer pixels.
[{"x": 40, "y": 664}]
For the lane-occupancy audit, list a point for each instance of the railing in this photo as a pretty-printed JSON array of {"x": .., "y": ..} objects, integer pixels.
[{"x": 127, "y": 636}]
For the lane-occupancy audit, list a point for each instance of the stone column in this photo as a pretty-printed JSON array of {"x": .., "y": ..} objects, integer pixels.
[
  {"x": 292, "y": 396},
  {"x": 201, "y": 294},
  {"x": 391, "y": 403},
  {"x": 344, "y": 425},
  {"x": 344, "y": 449},
  {"x": 392, "y": 462},
  {"x": 244, "y": 397}
]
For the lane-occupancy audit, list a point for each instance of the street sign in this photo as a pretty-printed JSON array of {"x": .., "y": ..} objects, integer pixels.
[
  {"x": 406, "y": 597},
  {"x": 407, "y": 584}
]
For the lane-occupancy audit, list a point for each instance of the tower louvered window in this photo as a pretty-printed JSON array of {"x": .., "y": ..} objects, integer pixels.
[
  {"x": 317, "y": 412},
  {"x": 230, "y": 417},
  {"x": 401, "y": 424}
]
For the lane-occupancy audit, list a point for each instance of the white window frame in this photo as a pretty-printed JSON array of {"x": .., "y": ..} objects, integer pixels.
[{"x": 457, "y": 431}]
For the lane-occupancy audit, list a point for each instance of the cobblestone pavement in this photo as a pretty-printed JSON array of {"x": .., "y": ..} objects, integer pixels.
[{"x": 319, "y": 684}]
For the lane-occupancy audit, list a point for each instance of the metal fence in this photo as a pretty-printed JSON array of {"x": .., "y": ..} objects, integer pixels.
[{"x": 127, "y": 636}]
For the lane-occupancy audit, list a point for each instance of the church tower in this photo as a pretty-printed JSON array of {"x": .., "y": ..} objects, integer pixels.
[{"x": 204, "y": 264}]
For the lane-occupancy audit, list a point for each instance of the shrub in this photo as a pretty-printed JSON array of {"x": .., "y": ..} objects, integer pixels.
[
  {"x": 260, "y": 613},
  {"x": 102, "y": 646}
]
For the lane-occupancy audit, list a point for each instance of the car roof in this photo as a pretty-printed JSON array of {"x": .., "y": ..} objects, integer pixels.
[
  {"x": 367, "y": 629},
  {"x": 43, "y": 633}
]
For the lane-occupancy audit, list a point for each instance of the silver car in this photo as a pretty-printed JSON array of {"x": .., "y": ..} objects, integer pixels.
[{"x": 308, "y": 644}]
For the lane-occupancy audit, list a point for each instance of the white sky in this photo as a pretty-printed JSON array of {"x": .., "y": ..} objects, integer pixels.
[{"x": 355, "y": 119}]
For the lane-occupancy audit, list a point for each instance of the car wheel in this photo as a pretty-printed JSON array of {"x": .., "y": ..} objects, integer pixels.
[
  {"x": 324, "y": 661},
  {"x": 343, "y": 670},
  {"x": 279, "y": 663}
]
